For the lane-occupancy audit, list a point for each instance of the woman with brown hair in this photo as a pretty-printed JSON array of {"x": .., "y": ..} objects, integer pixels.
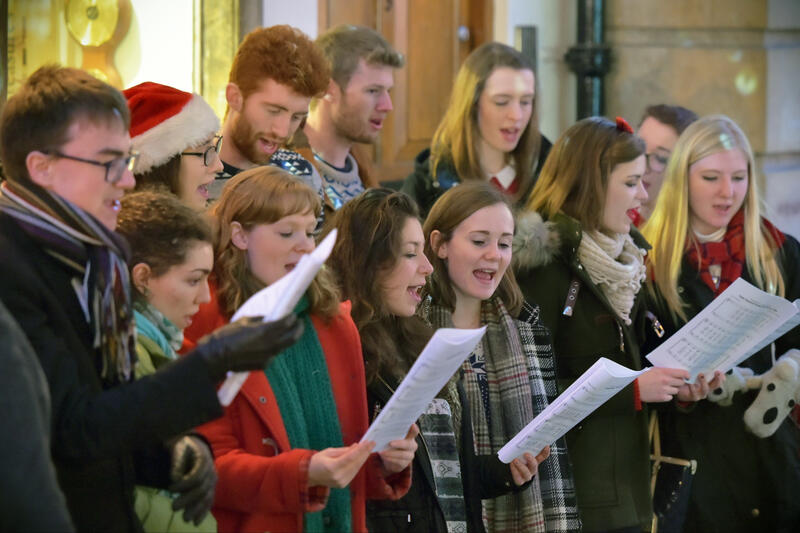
[
  {"x": 175, "y": 133},
  {"x": 381, "y": 268},
  {"x": 578, "y": 257},
  {"x": 271, "y": 476},
  {"x": 490, "y": 131},
  {"x": 509, "y": 377}
]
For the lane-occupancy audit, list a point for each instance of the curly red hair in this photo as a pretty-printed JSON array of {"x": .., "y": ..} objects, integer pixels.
[{"x": 283, "y": 54}]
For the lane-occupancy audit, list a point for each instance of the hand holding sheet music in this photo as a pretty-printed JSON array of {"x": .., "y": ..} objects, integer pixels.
[
  {"x": 596, "y": 386},
  {"x": 438, "y": 361},
  {"x": 276, "y": 301},
  {"x": 738, "y": 323}
]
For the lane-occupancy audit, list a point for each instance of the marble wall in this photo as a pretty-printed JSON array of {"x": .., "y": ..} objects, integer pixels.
[{"x": 737, "y": 57}]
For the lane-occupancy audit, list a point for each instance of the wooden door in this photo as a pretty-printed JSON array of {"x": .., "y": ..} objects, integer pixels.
[{"x": 427, "y": 33}]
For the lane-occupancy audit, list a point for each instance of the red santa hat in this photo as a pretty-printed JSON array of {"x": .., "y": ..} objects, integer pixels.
[{"x": 165, "y": 122}]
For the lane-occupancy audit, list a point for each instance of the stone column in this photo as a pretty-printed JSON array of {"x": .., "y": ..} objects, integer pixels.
[{"x": 736, "y": 57}]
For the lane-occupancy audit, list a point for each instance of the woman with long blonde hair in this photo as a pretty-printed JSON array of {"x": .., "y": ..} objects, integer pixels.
[
  {"x": 707, "y": 230},
  {"x": 490, "y": 131},
  {"x": 287, "y": 449}
]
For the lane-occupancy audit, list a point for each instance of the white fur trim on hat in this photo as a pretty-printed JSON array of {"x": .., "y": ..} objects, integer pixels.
[{"x": 193, "y": 124}]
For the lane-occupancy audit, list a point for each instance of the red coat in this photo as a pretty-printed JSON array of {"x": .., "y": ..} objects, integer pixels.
[{"x": 263, "y": 483}]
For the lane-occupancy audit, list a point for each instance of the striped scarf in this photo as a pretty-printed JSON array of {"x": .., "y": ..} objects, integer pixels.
[
  {"x": 97, "y": 258},
  {"x": 509, "y": 394},
  {"x": 520, "y": 368}
]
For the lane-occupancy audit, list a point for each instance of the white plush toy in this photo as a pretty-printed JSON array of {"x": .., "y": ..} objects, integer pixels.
[
  {"x": 780, "y": 391},
  {"x": 736, "y": 380}
]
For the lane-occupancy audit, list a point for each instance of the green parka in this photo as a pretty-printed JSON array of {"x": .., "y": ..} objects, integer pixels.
[{"x": 609, "y": 449}]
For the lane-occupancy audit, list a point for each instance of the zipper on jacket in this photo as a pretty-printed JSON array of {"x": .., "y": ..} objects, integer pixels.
[{"x": 621, "y": 338}]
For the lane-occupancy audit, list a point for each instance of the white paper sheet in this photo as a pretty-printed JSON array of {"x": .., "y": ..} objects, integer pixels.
[
  {"x": 738, "y": 323},
  {"x": 604, "y": 379},
  {"x": 439, "y": 360},
  {"x": 276, "y": 301}
]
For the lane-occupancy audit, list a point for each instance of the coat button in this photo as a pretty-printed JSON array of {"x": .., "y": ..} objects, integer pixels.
[
  {"x": 755, "y": 513},
  {"x": 262, "y": 399}
]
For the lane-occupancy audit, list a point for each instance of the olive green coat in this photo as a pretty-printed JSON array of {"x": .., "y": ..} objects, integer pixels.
[{"x": 609, "y": 449}]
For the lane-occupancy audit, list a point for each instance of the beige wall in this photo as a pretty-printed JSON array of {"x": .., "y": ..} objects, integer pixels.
[{"x": 737, "y": 57}]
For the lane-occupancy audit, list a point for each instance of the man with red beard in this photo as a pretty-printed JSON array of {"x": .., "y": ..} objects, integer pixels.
[
  {"x": 275, "y": 73},
  {"x": 352, "y": 110}
]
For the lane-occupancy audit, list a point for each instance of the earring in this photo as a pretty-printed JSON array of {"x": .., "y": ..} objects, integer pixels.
[{"x": 144, "y": 291}]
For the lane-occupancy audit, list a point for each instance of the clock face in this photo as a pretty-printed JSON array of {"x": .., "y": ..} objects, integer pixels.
[{"x": 92, "y": 22}]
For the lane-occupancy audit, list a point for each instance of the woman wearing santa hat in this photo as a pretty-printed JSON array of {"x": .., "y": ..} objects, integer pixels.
[{"x": 175, "y": 133}]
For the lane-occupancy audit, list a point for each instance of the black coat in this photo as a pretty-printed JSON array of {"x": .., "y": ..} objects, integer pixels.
[
  {"x": 482, "y": 477},
  {"x": 102, "y": 441},
  {"x": 425, "y": 190},
  {"x": 31, "y": 499},
  {"x": 743, "y": 483}
]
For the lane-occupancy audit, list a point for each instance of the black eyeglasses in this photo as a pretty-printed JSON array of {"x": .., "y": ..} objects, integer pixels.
[
  {"x": 211, "y": 154},
  {"x": 115, "y": 168},
  {"x": 656, "y": 162}
]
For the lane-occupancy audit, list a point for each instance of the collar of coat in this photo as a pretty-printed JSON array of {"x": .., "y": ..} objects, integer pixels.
[{"x": 538, "y": 242}]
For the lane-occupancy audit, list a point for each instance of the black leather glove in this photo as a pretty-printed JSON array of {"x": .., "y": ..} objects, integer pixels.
[
  {"x": 247, "y": 344},
  {"x": 193, "y": 477}
]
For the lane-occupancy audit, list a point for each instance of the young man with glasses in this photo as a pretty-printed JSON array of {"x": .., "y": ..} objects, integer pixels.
[
  {"x": 176, "y": 134},
  {"x": 67, "y": 158},
  {"x": 275, "y": 73},
  {"x": 660, "y": 128}
]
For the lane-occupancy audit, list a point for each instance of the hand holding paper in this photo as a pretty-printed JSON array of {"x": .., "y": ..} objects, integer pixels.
[
  {"x": 277, "y": 301},
  {"x": 738, "y": 323},
  {"x": 603, "y": 380},
  {"x": 439, "y": 360}
]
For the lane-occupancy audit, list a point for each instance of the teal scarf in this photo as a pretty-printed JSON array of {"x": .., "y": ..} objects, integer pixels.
[
  {"x": 299, "y": 378},
  {"x": 151, "y": 323}
]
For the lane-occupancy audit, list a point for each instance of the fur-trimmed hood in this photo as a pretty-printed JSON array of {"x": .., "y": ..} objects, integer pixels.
[{"x": 536, "y": 242}]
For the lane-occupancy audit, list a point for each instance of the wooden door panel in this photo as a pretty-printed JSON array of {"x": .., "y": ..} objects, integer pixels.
[{"x": 426, "y": 33}]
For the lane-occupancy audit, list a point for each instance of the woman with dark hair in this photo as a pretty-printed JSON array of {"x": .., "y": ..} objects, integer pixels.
[
  {"x": 707, "y": 231},
  {"x": 171, "y": 258},
  {"x": 381, "y": 268},
  {"x": 287, "y": 449},
  {"x": 490, "y": 131},
  {"x": 578, "y": 257},
  {"x": 175, "y": 133},
  {"x": 509, "y": 377}
]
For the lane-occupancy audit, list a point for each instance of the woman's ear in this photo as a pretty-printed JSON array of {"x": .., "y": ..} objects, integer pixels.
[
  {"x": 438, "y": 245},
  {"x": 238, "y": 236},
  {"x": 140, "y": 276}
]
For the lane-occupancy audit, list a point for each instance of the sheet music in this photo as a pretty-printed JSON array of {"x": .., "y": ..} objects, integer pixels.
[
  {"x": 439, "y": 360},
  {"x": 593, "y": 388},
  {"x": 738, "y": 323},
  {"x": 275, "y": 302}
]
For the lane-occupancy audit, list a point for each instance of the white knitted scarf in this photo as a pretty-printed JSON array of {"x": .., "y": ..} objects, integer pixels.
[{"x": 616, "y": 265}]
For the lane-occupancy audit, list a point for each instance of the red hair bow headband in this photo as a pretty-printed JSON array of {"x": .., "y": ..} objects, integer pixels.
[{"x": 622, "y": 125}]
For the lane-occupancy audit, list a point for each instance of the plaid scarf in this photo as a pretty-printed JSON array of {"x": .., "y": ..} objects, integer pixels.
[
  {"x": 516, "y": 392},
  {"x": 729, "y": 253},
  {"x": 97, "y": 258}
]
